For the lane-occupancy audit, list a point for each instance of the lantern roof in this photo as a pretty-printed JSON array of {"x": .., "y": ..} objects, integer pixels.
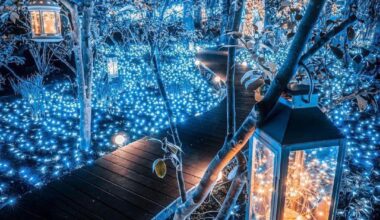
[
  {"x": 290, "y": 125},
  {"x": 43, "y": 4}
]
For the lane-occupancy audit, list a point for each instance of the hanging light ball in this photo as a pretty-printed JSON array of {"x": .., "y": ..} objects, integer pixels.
[
  {"x": 120, "y": 139},
  {"x": 45, "y": 20}
]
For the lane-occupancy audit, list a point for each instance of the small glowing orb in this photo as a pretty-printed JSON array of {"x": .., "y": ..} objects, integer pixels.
[
  {"x": 217, "y": 79},
  {"x": 197, "y": 62},
  {"x": 244, "y": 64},
  {"x": 198, "y": 48},
  {"x": 220, "y": 176},
  {"x": 119, "y": 139}
]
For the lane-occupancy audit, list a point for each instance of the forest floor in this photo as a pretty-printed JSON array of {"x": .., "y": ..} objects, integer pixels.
[
  {"x": 39, "y": 139},
  {"x": 121, "y": 184}
]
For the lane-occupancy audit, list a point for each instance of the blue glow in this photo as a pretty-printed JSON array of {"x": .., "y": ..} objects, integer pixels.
[{"x": 35, "y": 150}]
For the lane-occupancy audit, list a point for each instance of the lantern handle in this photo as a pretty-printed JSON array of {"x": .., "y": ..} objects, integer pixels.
[{"x": 311, "y": 82}]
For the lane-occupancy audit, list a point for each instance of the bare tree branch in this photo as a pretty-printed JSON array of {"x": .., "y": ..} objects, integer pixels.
[
  {"x": 257, "y": 115},
  {"x": 326, "y": 38}
]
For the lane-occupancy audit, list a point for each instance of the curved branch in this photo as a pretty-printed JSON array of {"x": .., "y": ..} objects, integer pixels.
[
  {"x": 290, "y": 66},
  {"x": 240, "y": 138},
  {"x": 13, "y": 72},
  {"x": 238, "y": 183},
  {"x": 326, "y": 38}
]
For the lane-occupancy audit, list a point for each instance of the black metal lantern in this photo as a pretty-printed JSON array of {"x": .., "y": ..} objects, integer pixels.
[
  {"x": 295, "y": 162},
  {"x": 45, "y": 20}
]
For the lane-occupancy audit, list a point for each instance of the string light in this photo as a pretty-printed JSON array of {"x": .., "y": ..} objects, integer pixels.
[
  {"x": 36, "y": 150},
  {"x": 360, "y": 128}
]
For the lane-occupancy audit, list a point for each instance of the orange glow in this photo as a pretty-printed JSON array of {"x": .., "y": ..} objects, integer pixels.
[
  {"x": 308, "y": 186},
  {"x": 309, "y": 183},
  {"x": 262, "y": 182},
  {"x": 49, "y": 22},
  {"x": 36, "y": 22}
]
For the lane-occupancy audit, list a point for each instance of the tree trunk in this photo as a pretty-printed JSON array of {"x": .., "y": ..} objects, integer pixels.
[
  {"x": 155, "y": 64},
  {"x": 88, "y": 60},
  {"x": 238, "y": 182},
  {"x": 83, "y": 64},
  {"x": 188, "y": 20},
  {"x": 173, "y": 126},
  {"x": 223, "y": 27},
  {"x": 198, "y": 13},
  {"x": 240, "y": 138}
]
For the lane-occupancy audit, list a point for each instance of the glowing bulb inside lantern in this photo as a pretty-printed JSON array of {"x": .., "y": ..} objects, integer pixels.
[
  {"x": 119, "y": 139},
  {"x": 197, "y": 62},
  {"x": 244, "y": 63}
]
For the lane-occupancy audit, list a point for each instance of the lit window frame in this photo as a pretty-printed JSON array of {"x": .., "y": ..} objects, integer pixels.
[{"x": 41, "y": 7}]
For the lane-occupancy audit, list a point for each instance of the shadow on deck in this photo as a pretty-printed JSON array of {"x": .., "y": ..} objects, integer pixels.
[{"x": 121, "y": 185}]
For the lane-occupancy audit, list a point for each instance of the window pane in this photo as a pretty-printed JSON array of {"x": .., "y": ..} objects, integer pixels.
[
  {"x": 36, "y": 24},
  {"x": 58, "y": 22},
  {"x": 262, "y": 180},
  {"x": 49, "y": 22},
  {"x": 309, "y": 183}
]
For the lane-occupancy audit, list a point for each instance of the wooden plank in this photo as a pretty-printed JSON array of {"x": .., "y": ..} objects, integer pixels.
[
  {"x": 191, "y": 161},
  {"x": 141, "y": 170},
  {"x": 147, "y": 205},
  {"x": 147, "y": 164},
  {"x": 78, "y": 211},
  {"x": 121, "y": 206},
  {"x": 147, "y": 151},
  {"x": 37, "y": 203},
  {"x": 152, "y": 157},
  {"x": 17, "y": 212},
  {"x": 156, "y": 197},
  {"x": 98, "y": 210},
  {"x": 143, "y": 180}
]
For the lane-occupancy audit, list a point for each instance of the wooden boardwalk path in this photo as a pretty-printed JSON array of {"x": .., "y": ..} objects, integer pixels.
[{"x": 121, "y": 185}]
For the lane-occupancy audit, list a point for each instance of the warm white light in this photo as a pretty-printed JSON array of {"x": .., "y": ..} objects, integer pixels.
[
  {"x": 45, "y": 21},
  {"x": 119, "y": 139},
  {"x": 112, "y": 67},
  {"x": 217, "y": 79},
  {"x": 220, "y": 176},
  {"x": 197, "y": 62},
  {"x": 244, "y": 63}
]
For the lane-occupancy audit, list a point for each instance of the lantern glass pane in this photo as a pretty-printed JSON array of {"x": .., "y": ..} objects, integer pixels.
[
  {"x": 262, "y": 180},
  {"x": 58, "y": 22},
  {"x": 49, "y": 22},
  {"x": 36, "y": 22},
  {"x": 309, "y": 183}
]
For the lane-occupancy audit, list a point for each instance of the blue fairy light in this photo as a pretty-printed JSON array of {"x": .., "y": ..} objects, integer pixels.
[{"x": 36, "y": 150}]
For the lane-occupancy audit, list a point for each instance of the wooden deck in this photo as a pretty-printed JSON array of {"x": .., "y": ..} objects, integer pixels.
[{"x": 121, "y": 185}]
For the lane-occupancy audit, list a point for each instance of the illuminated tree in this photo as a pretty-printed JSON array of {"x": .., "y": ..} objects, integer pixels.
[
  {"x": 287, "y": 69},
  {"x": 83, "y": 52}
]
